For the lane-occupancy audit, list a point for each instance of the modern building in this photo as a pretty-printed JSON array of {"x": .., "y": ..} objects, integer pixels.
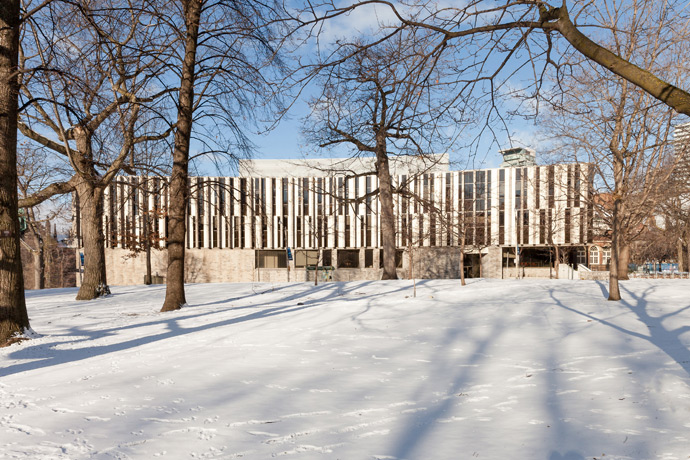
[{"x": 326, "y": 212}]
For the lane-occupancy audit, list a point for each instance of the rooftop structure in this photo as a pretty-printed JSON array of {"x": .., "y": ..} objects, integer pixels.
[{"x": 518, "y": 156}]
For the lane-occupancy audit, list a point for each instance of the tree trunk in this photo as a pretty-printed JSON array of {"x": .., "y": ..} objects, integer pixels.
[
  {"x": 623, "y": 261},
  {"x": 149, "y": 278},
  {"x": 91, "y": 217},
  {"x": 557, "y": 260},
  {"x": 614, "y": 290},
  {"x": 174, "y": 289},
  {"x": 147, "y": 237},
  {"x": 390, "y": 271},
  {"x": 39, "y": 266},
  {"x": 616, "y": 240},
  {"x": 90, "y": 197},
  {"x": 13, "y": 316},
  {"x": 681, "y": 265},
  {"x": 462, "y": 260}
]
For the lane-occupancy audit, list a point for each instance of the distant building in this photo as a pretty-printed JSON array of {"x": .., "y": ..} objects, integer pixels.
[
  {"x": 59, "y": 260},
  {"x": 328, "y": 214}
]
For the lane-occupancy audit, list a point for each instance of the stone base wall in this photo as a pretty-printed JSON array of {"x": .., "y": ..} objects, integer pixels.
[
  {"x": 202, "y": 266},
  {"x": 595, "y": 276},
  {"x": 239, "y": 265},
  {"x": 491, "y": 263}
]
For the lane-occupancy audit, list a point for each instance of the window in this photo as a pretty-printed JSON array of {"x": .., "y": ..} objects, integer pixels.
[
  {"x": 502, "y": 190},
  {"x": 577, "y": 186},
  {"x": 306, "y": 258},
  {"x": 243, "y": 196},
  {"x": 480, "y": 229},
  {"x": 537, "y": 181},
  {"x": 481, "y": 191},
  {"x": 271, "y": 259},
  {"x": 525, "y": 227},
  {"x": 347, "y": 232},
  {"x": 326, "y": 258},
  {"x": 368, "y": 258},
  {"x": 518, "y": 188},
  {"x": 305, "y": 196},
  {"x": 449, "y": 201},
  {"x": 581, "y": 256},
  {"x": 348, "y": 258},
  {"x": 432, "y": 230},
  {"x": 594, "y": 255},
  {"x": 606, "y": 259},
  {"x": 319, "y": 196},
  {"x": 468, "y": 192},
  {"x": 215, "y": 234},
  {"x": 285, "y": 196},
  {"x": 552, "y": 187}
]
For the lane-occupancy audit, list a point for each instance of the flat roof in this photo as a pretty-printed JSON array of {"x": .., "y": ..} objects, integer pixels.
[{"x": 325, "y": 167}]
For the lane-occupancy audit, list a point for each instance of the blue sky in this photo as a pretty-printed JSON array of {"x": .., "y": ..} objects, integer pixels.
[{"x": 285, "y": 141}]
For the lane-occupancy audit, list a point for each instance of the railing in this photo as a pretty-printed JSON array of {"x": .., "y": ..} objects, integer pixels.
[
  {"x": 661, "y": 275},
  {"x": 583, "y": 268}
]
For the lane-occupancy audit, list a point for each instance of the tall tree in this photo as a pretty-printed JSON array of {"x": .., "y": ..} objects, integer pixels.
[
  {"x": 623, "y": 132},
  {"x": 86, "y": 105},
  {"x": 227, "y": 56},
  {"x": 386, "y": 101},
  {"x": 13, "y": 315},
  {"x": 174, "y": 292},
  {"x": 36, "y": 172}
]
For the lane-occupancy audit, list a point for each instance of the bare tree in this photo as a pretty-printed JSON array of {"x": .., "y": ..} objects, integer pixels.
[
  {"x": 383, "y": 102},
  {"x": 13, "y": 316},
  {"x": 227, "y": 53},
  {"x": 604, "y": 120},
  {"x": 86, "y": 105},
  {"x": 36, "y": 172},
  {"x": 524, "y": 33}
]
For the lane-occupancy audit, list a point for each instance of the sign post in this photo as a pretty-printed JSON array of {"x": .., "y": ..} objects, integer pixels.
[{"x": 81, "y": 267}]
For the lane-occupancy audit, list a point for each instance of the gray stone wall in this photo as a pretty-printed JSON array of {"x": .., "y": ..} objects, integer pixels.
[{"x": 595, "y": 276}]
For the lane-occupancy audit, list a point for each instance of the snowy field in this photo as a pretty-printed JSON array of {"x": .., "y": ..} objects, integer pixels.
[{"x": 362, "y": 370}]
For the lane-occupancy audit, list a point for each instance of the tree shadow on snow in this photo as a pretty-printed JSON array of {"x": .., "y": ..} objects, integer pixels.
[
  {"x": 666, "y": 340},
  {"x": 51, "y": 356}
]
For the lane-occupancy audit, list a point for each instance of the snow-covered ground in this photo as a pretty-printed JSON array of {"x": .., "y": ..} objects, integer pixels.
[{"x": 493, "y": 370}]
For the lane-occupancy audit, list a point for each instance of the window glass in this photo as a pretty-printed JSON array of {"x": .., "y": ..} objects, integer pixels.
[
  {"x": 271, "y": 259},
  {"x": 348, "y": 258},
  {"x": 306, "y": 258},
  {"x": 594, "y": 255},
  {"x": 326, "y": 258},
  {"x": 607, "y": 256},
  {"x": 368, "y": 258}
]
